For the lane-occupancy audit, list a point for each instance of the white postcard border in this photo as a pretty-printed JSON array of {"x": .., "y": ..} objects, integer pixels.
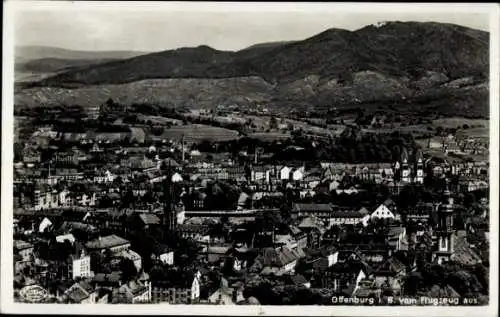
[{"x": 7, "y": 304}]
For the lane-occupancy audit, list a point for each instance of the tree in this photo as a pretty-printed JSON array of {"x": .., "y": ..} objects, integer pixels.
[
  {"x": 96, "y": 261},
  {"x": 58, "y": 251},
  {"x": 118, "y": 180},
  {"x": 110, "y": 102},
  {"x": 128, "y": 269},
  {"x": 482, "y": 275},
  {"x": 264, "y": 291},
  {"x": 18, "y": 151},
  {"x": 413, "y": 283},
  {"x": 433, "y": 274},
  {"x": 128, "y": 198},
  {"x": 105, "y": 202},
  {"x": 148, "y": 197},
  {"x": 273, "y": 123},
  {"x": 157, "y": 130},
  {"x": 303, "y": 268}
]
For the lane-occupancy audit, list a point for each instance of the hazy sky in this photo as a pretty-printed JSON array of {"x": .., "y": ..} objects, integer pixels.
[{"x": 153, "y": 28}]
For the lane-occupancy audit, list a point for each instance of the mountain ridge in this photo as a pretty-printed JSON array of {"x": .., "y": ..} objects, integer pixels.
[
  {"x": 52, "y": 65},
  {"x": 395, "y": 61},
  {"x": 330, "y": 53},
  {"x": 24, "y": 53}
]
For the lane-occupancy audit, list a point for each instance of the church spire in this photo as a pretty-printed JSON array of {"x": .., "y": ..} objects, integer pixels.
[
  {"x": 419, "y": 157},
  {"x": 169, "y": 212},
  {"x": 405, "y": 172},
  {"x": 404, "y": 156},
  {"x": 447, "y": 193},
  {"x": 445, "y": 242}
]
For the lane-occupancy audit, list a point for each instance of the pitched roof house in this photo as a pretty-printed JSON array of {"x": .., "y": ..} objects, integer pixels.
[
  {"x": 383, "y": 212},
  {"x": 279, "y": 260},
  {"x": 305, "y": 210},
  {"x": 181, "y": 286},
  {"x": 112, "y": 242},
  {"x": 80, "y": 293},
  {"x": 343, "y": 276},
  {"x": 133, "y": 292}
]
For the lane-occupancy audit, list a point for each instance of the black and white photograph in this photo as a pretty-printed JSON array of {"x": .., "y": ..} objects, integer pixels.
[{"x": 209, "y": 156}]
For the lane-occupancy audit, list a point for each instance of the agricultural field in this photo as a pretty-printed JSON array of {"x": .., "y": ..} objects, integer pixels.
[
  {"x": 138, "y": 134},
  {"x": 434, "y": 142},
  {"x": 269, "y": 136},
  {"x": 459, "y": 122},
  {"x": 477, "y": 133},
  {"x": 440, "y": 154},
  {"x": 309, "y": 129},
  {"x": 110, "y": 136},
  {"x": 229, "y": 119},
  {"x": 317, "y": 121},
  {"x": 336, "y": 129},
  {"x": 460, "y": 158},
  {"x": 260, "y": 122},
  {"x": 418, "y": 129},
  {"x": 158, "y": 120},
  {"x": 199, "y": 132},
  {"x": 477, "y": 128}
]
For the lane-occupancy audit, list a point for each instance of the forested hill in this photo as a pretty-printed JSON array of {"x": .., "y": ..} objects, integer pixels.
[
  {"x": 394, "y": 49},
  {"x": 421, "y": 64}
]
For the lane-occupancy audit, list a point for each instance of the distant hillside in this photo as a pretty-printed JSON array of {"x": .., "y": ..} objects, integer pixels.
[
  {"x": 54, "y": 65},
  {"x": 190, "y": 92},
  {"x": 34, "y": 63},
  {"x": 267, "y": 45},
  {"x": 395, "y": 49},
  {"x": 398, "y": 62},
  {"x": 258, "y": 49},
  {"x": 180, "y": 63},
  {"x": 25, "y": 54},
  {"x": 21, "y": 78}
]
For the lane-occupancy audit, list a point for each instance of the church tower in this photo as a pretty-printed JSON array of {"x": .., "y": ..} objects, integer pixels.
[
  {"x": 419, "y": 177},
  {"x": 405, "y": 167},
  {"x": 397, "y": 171},
  {"x": 444, "y": 231},
  {"x": 169, "y": 211}
]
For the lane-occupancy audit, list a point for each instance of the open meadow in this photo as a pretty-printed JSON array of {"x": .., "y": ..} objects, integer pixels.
[
  {"x": 199, "y": 132},
  {"x": 269, "y": 136},
  {"x": 454, "y": 122}
]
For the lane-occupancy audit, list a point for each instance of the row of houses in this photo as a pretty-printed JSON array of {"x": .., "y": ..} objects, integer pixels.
[
  {"x": 47, "y": 198},
  {"x": 336, "y": 215}
]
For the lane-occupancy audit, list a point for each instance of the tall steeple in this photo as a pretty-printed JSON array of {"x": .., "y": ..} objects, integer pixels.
[
  {"x": 405, "y": 167},
  {"x": 444, "y": 232},
  {"x": 447, "y": 199},
  {"x": 169, "y": 212},
  {"x": 183, "y": 150},
  {"x": 419, "y": 177}
]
